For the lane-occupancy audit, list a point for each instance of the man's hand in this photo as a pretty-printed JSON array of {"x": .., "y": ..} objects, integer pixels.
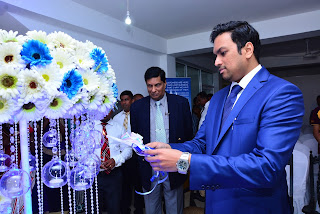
[
  {"x": 108, "y": 165},
  {"x": 163, "y": 159},
  {"x": 159, "y": 145}
]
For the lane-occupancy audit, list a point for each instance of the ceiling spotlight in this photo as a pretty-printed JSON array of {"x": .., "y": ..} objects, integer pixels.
[{"x": 128, "y": 19}]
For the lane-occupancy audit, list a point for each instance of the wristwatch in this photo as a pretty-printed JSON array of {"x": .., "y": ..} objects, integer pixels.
[{"x": 183, "y": 163}]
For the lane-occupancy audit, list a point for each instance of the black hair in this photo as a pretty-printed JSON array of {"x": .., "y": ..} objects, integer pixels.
[
  {"x": 127, "y": 92},
  {"x": 155, "y": 72},
  {"x": 241, "y": 33},
  {"x": 202, "y": 94}
]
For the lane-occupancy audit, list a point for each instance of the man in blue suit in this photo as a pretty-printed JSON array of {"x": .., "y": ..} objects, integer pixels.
[
  {"x": 240, "y": 152},
  {"x": 176, "y": 127}
]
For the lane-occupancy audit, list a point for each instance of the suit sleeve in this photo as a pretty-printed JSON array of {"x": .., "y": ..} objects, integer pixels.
[
  {"x": 187, "y": 121},
  {"x": 274, "y": 136}
]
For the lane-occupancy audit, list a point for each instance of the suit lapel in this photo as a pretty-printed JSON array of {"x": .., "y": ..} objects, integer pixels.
[
  {"x": 217, "y": 120},
  {"x": 254, "y": 85},
  {"x": 172, "y": 117},
  {"x": 146, "y": 117}
]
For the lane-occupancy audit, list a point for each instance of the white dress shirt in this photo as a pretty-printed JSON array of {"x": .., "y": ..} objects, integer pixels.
[
  {"x": 119, "y": 118},
  {"x": 245, "y": 81},
  {"x": 118, "y": 151},
  {"x": 165, "y": 115},
  {"x": 203, "y": 113}
]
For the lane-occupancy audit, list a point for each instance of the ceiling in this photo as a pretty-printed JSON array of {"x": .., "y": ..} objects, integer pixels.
[{"x": 174, "y": 18}]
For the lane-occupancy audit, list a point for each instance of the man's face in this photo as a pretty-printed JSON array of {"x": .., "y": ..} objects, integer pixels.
[
  {"x": 231, "y": 64},
  {"x": 125, "y": 102},
  {"x": 156, "y": 88},
  {"x": 202, "y": 101}
]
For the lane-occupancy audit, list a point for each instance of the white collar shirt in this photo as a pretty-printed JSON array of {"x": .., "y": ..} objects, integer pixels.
[
  {"x": 119, "y": 118},
  {"x": 245, "y": 81},
  {"x": 118, "y": 151}
]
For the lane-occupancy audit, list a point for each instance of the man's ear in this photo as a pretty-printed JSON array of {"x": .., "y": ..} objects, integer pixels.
[{"x": 248, "y": 50}]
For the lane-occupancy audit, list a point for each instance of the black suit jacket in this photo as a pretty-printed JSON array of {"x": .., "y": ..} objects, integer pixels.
[{"x": 180, "y": 130}]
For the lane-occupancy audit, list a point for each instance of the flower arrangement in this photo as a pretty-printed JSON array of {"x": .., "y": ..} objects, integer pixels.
[{"x": 53, "y": 75}]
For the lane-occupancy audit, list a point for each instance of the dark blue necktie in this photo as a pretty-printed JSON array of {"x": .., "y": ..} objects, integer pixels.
[{"x": 229, "y": 102}]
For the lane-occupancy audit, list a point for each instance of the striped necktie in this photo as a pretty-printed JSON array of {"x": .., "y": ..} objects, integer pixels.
[
  {"x": 105, "y": 150},
  {"x": 229, "y": 102},
  {"x": 125, "y": 122}
]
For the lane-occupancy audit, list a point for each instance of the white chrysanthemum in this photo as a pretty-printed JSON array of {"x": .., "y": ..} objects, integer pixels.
[
  {"x": 82, "y": 55},
  {"x": 58, "y": 106},
  {"x": 108, "y": 101},
  {"x": 7, "y": 108},
  {"x": 52, "y": 77},
  {"x": 91, "y": 80},
  {"x": 63, "y": 59},
  {"x": 10, "y": 54},
  {"x": 79, "y": 102},
  {"x": 60, "y": 40},
  {"x": 30, "y": 110},
  {"x": 90, "y": 45},
  {"x": 10, "y": 81},
  {"x": 110, "y": 74},
  {"x": 41, "y": 36},
  {"x": 33, "y": 85},
  {"x": 95, "y": 100},
  {"x": 11, "y": 36}
]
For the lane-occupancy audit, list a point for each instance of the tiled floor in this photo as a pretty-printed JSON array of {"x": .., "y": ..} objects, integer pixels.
[{"x": 188, "y": 210}]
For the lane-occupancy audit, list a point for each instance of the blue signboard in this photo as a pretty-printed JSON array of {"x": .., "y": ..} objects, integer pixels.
[{"x": 180, "y": 86}]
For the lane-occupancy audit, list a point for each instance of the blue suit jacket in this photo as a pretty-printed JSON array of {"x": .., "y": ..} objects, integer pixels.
[
  {"x": 180, "y": 130},
  {"x": 243, "y": 166}
]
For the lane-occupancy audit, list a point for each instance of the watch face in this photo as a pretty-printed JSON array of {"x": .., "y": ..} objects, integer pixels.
[{"x": 183, "y": 165}]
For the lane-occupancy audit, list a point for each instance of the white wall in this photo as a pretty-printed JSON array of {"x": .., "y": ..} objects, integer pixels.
[{"x": 310, "y": 87}]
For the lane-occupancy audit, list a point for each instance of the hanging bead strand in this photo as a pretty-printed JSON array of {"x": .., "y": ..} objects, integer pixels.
[
  {"x": 68, "y": 163},
  {"x": 91, "y": 197},
  {"x": 97, "y": 197},
  {"x": 41, "y": 162},
  {"x": 35, "y": 128},
  {"x": 72, "y": 138},
  {"x": 85, "y": 202},
  {"x": 16, "y": 156},
  {"x": 1, "y": 140}
]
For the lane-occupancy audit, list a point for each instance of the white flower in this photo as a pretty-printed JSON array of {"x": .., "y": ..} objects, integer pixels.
[
  {"x": 108, "y": 101},
  {"x": 63, "y": 59},
  {"x": 91, "y": 80},
  {"x": 10, "y": 54},
  {"x": 11, "y": 36},
  {"x": 7, "y": 108},
  {"x": 33, "y": 85},
  {"x": 80, "y": 101},
  {"x": 30, "y": 110},
  {"x": 95, "y": 100},
  {"x": 9, "y": 82},
  {"x": 41, "y": 36},
  {"x": 61, "y": 40},
  {"x": 82, "y": 55},
  {"x": 52, "y": 77},
  {"x": 110, "y": 74},
  {"x": 90, "y": 45},
  {"x": 58, "y": 107}
]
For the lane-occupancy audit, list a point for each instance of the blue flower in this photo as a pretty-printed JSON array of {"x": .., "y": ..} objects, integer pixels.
[
  {"x": 100, "y": 59},
  {"x": 35, "y": 53},
  {"x": 72, "y": 82},
  {"x": 115, "y": 90}
]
